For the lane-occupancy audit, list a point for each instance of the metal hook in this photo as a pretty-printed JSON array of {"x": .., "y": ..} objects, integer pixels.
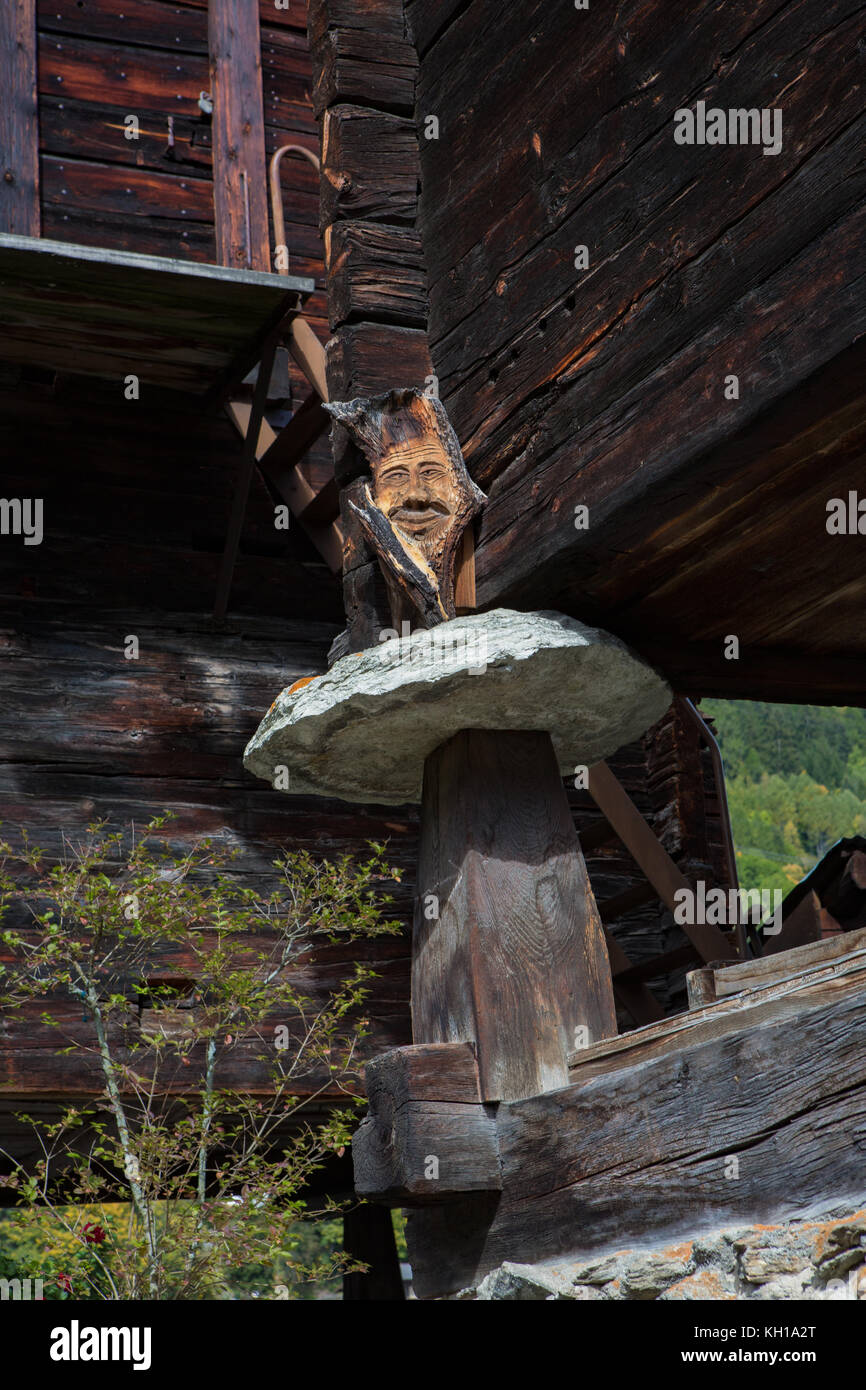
[{"x": 277, "y": 194}]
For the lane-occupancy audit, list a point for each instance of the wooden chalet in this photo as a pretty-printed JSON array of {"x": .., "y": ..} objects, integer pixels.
[{"x": 215, "y": 216}]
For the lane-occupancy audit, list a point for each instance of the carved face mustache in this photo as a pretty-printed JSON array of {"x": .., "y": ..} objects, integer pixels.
[{"x": 417, "y": 513}]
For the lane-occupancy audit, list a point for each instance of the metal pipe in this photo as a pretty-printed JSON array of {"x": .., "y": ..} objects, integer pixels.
[{"x": 277, "y": 193}]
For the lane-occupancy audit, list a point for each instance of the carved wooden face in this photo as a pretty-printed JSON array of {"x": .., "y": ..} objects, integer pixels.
[{"x": 415, "y": 486}]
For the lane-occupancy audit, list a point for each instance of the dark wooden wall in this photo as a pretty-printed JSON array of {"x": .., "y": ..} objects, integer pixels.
[
  {"x": 98, "y": 62},
  {"x": 605, "y": 387},
  {"x": 136, "y": 498}
]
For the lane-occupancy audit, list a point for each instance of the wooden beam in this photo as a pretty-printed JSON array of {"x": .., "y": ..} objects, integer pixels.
[
  {"x": 370, "y": 167},
  {"x": 242, "y": 488},
  {"x": 778, "y": 674},
  {"x": 19, "y": 120},
  {"x": 240, "y": 174},
  {"x": 376, "y": 273},
  {"x": 374, "y": 68},
  {"x": 642, "y": 1139},
  {"x": 652, "y": 858},
  {"x": 425, "y": 1102},
  {"x": 293, "y": 487},
  {"x": 309, "y": 355},
  {"x": 752, "y": 974},
  {"x": 464, "y": 578},
  {"x": 307, "y": 424}
]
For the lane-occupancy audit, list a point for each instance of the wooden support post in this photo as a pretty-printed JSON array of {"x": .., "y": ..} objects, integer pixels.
[
  {"x": 19, "y": 120},
  {"x": 508, "y": 948},
  {"x": 368, "y": 1236},
  {"x": 240, "y": 176},
  {"x": 464, "y": 579}
]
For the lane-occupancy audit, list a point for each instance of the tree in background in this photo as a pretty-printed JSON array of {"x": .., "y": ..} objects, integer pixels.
[
  {"x": 210, "y": 1189},
  {"x": 796, "y": 783}
]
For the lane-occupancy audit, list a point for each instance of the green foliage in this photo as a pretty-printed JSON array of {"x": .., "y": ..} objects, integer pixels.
[
  {"x": 796, "y": 782},
  {"x": 212, "y": 1183}
]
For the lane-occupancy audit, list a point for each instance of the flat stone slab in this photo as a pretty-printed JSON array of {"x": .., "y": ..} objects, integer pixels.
[{"x": 362, "y": 731}]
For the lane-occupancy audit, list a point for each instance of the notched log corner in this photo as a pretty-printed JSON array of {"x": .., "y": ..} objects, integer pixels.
[{"x": 428, "y": 1137}]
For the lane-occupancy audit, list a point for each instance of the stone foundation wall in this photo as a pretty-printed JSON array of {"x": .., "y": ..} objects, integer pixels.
[{"x": 820, "y": 1258}]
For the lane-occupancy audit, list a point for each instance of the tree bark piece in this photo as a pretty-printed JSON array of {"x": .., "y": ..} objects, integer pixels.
[{"x": 516, "y": 960}]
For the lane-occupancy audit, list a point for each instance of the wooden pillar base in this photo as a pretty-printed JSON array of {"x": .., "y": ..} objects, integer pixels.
[
  {"x": 508, "y": 949},
  {"x": 368, "y": 1236}
]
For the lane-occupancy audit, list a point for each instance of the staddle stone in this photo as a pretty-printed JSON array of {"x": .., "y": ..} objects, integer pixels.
[{"x": 363, "y": 730}]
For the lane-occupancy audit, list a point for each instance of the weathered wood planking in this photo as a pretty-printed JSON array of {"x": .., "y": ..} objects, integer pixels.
[
  {"x": 166, "y": 732},
  {"x": 645, "y": 1151},
  {"x": 677, "y": 296},
  {"x": 383, "y": 17},
  {"x": 375, "y": 272},
  {"x": 19, "y": 121},
  {"x": 425, "y": 1103},
  {"x": 240, "y": 185},
  {"x": 90, "y": 186},
  {"x": 153, "y": 24},
  {"x": 813, "y": 955},
  {"x": 100, "y": 62},
  {"x": 372, "y": 68},
  {"x": 369, "y": 166},
  {"x": 72, "y": 129},
  {"x": 104, "y": 313},
  {"x": 145, "y": 80}
]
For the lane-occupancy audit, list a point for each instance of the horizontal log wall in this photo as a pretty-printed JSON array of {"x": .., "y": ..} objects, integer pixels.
[
  {"x": 364, "y": 70},
  {"x": 86, "y": 733},
  {"x": 604, "y": 385},
  {"x": 98, "y": 64}
]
